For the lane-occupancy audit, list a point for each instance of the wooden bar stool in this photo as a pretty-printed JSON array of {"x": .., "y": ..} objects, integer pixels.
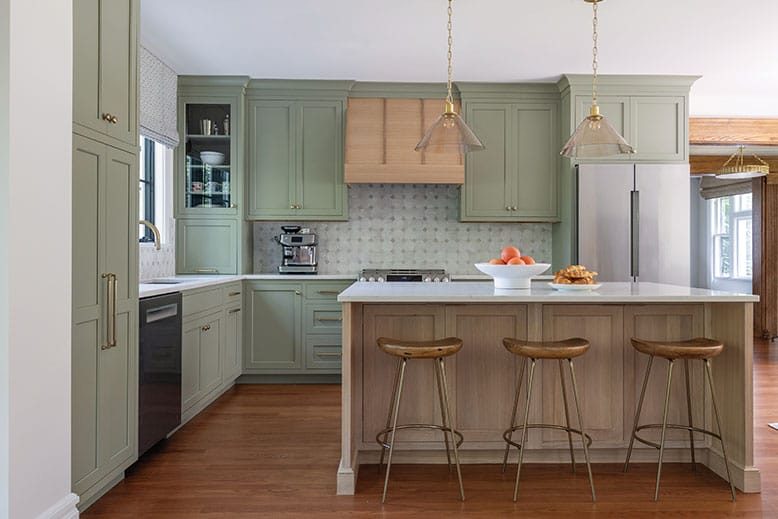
[
  {"x": 533, "y": 351},
  {"x": 407, "y": 350},
  {"x": 693, "y": 349}
]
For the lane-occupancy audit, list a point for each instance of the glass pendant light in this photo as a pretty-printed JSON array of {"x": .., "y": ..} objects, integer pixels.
[
  {"x": 449, "y": 131},
  {"x": 740, "y": 170},
  {"x": 595, "y": 136}
]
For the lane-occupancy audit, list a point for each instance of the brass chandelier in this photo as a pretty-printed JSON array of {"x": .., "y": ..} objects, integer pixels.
[
  {"x": 595, "y": 136},
  {"x": 740, "y": 170},
  {"x": 449, "y": 131}
]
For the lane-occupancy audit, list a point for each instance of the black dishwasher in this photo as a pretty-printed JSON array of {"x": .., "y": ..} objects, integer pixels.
[{"x": 159, "y": 384}]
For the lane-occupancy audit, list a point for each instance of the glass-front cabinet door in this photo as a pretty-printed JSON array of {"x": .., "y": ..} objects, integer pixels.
[{"x": 209, "y": 158}]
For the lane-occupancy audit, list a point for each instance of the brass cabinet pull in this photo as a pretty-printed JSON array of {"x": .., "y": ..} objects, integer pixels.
[
  {"x": 110, "y": 312},
  {"x": 328, "y": 292},
  {"x": 234, "y": 310},
  {"x": 231, "y": 294},
  {"x": 330, "y": 319},
  {"x": 329, "y": 354},
  {"x": 207, "y": 271},
  {"x": 297, "y": 292}
]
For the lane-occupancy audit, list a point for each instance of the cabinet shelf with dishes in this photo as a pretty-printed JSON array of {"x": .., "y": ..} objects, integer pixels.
[{"x": 211, "y": 233}]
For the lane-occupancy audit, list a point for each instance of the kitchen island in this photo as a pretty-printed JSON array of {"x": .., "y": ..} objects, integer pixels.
[{"x": 483, "y": 375}]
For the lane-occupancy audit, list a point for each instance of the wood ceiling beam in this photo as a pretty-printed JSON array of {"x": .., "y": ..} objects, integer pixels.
[{"x": 741, "y": 130}]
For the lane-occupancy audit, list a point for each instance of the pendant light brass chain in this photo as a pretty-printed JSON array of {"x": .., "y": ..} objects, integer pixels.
[
  {"x": 449, "y": 96},
  {"x": 595, "y": 21}
]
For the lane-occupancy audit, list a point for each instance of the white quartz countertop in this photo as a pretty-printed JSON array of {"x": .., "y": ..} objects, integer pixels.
[
  {"x": 484, "y": 292},
  {"x": 190, "y": 282}
]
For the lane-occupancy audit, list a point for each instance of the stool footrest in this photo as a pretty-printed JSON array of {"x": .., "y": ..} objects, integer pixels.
[
  {"x": 508, "y": 432},
  {"x": 382, "y": 437},
  {"x": 670, "y": 426}
]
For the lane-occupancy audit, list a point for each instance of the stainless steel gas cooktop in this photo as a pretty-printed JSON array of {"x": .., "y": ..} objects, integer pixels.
[{"x": 397, "y": 275}]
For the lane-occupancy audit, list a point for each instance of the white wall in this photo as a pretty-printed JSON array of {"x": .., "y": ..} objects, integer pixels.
[{"x": 35, "y": 265}]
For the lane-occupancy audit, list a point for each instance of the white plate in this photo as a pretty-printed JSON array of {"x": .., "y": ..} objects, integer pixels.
[{"x": 574, "y": 288}]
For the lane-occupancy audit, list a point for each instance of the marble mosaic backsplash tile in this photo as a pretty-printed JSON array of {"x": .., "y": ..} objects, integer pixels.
[
  {"x": 159, "y": 263},
  {"x": 404, "y": 226}
]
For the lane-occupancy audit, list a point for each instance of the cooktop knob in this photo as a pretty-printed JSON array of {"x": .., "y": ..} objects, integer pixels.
[
  {"x": 381, "y": 279},
  {"x": 436, "y": 280},
  {"x": 427, "y": 279},
  {"x": 371, "y": 279},
  {"x": 363, "y": 278}
]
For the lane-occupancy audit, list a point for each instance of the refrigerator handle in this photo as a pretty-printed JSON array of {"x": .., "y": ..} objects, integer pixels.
[{"x": 634, "y": 207}]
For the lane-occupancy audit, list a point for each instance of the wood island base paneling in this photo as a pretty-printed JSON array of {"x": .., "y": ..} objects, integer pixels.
[{"x": 483, "y": 377}]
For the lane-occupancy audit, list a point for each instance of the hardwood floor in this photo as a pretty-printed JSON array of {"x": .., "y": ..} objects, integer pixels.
[{"x": 272, "y": 451}]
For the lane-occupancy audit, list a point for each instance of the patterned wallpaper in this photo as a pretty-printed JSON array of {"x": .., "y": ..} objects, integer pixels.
[{"x": 398, "y": 226}]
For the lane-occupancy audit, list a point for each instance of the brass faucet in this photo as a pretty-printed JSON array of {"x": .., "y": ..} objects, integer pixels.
[{"x": 154, "y": 231}]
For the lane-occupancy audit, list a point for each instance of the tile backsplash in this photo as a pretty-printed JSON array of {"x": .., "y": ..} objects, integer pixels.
[
  {"x": 159, "y": 263},
  {"x": 400, "y": 226}
]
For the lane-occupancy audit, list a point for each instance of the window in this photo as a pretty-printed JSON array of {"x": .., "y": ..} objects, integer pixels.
[
  {"x": 155, "y": 161},
  {"x": 730, "y": 226}
]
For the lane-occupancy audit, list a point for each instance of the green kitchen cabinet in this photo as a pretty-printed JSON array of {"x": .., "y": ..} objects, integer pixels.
[
  {"x": 273, "y": 327},
  {"x": 292, "y": 328},
  {"x": 651, "y": 112},
  {"x": 209, "y": 193},
  {"x": 515, "y": 178},
  {"x": 105, "y": 69},
  {"x": 232, "y": 345},
  {"x": 104, "y": 315},
  {"x": 296, "y": 150},
  {"x": 206, "y": 246},
  {"x": 201, "y": 371}
]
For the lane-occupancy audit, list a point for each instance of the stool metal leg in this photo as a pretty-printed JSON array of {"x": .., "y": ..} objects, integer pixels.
[
  {"x": 664, "y": 428},
  {"x": 442, "y": 371},
  {"x": 513, "y": 413},
  {"x": 395, "y": 412},
  {"x": 689, "y": 409},
  {"x": 524, "y": 429},
  {"x": 567, "y": 414},
  {"x": 443, "y": 417},
  {"x": 391, "y": 407},
  {"x": 718, "y": 424},
  {"x": 581, "y": 427},
  {"x": 637, "y": 412}
]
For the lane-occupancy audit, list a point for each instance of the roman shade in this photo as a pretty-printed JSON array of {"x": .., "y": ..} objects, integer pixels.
[
  {"x": 158, "y": 100},
  {"x": 712, "y": 187}
]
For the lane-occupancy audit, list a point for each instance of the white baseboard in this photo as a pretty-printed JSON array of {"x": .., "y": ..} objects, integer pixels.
[{"x": 65, "y": 508}]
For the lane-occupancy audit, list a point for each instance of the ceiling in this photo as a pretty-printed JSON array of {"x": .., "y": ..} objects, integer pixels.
[{"x": 733, "y": 45}]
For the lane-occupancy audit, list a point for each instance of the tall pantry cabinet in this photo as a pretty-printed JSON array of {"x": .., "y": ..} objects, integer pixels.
[{"x": 105, "y": 244}]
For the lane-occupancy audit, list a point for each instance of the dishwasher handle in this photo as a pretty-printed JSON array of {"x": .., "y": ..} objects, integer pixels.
[{"x": 161, "y": 312}]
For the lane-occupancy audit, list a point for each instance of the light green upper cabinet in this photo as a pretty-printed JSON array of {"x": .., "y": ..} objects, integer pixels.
[
  {"x": 515, "y": 178},
  {"x": 295, "y": 142},
  {"x": 105, "y": 69},
  {"x": 651, "y": 112},
  {"x": 485, "y": 194},
  {"x": 659, "y": 128},
  {"x": 206, "y": 246},
  {"x": 272, "y": 162}
]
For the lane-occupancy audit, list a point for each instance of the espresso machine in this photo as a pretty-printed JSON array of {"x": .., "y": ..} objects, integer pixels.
[{"x": 299, "y": 248}]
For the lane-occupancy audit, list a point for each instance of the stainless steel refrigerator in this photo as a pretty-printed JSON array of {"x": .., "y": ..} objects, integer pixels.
[{"x": 633, "y": 222}]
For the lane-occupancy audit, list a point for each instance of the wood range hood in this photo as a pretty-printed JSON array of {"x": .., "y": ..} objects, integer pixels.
[{"x": 381, "y": 134}]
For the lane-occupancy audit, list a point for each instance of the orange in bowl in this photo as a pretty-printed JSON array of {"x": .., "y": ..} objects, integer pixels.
[
  {"x": 516, "y": 261},
  {"x": 509, "y": 252},
  {"x": 528, "y": 260},
  {"x": 496, "y": 261}
]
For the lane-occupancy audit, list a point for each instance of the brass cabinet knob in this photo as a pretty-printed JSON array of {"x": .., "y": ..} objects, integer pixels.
[
  {"x": 107, "y": 117},
  {"x": 206, "y": 327},
  {"x": 507, "y": 208},
  {"x": 233, "y": 206},
  {"x": 297, "y": 292},
  {"x": 114, "y": 119},
  {"x": 292, "y": 206}
]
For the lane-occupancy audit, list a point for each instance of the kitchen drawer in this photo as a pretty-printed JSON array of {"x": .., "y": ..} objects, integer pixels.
[
  {"x": 196, "y": 302},
  {"x": 323, "y": 318},
  {"x": 325, "y": 291},
  {"x": 323, "y": 352},
  {"x": 232, "y": 293}
]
